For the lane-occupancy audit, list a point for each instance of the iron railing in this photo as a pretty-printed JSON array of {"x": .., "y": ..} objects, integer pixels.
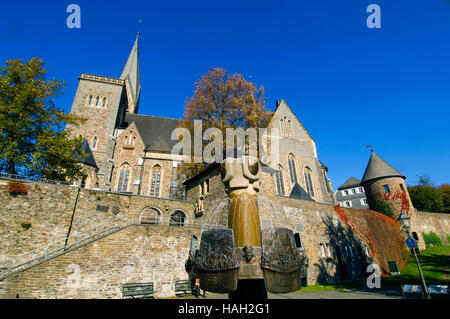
[
  {"x": 31, "y": 179},
  {"x": 76, "y": 240}
]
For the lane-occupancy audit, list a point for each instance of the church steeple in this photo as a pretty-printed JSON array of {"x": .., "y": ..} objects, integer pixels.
[{"x": 131, "y": 76}]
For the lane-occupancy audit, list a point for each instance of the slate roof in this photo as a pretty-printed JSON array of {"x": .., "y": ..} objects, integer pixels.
[
  {"x": 350, "y": 183},
  {"x": 131, "y": 72},
  {"x": 89, "y": 160},
  {"x": 298, "y": 192},
  {"x": 377, "y": 168},
  {"x": 154, "y": 130}
]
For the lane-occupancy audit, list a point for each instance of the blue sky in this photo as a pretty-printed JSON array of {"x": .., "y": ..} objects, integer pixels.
[{"x": 349, "y": 85}]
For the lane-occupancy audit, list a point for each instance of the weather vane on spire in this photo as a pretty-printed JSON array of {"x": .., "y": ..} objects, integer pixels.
[{"x": 371, "y": 147}]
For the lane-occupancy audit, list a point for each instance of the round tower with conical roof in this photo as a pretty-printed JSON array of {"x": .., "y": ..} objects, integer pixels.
[{"x": 383, "y": 183}]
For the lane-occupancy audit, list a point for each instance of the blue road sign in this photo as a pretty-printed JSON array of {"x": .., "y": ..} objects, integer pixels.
[{"x": 410, "y": 242}]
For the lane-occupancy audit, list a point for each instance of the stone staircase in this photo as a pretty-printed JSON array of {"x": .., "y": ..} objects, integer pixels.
[{"x": 38, "y": 256}]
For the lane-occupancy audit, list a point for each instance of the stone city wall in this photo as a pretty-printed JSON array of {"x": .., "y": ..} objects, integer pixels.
[
  {"x": 434, "y": 222},
  {"x": 340, "y": 242},
  {"x": 138, "y": 254},
  {"x": 43, "y": 216}
]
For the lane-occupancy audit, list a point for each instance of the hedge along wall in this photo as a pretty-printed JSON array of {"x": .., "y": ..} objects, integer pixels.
[
  {"x": 434, "y": 222},
  {"x": 380, "y": 232}
]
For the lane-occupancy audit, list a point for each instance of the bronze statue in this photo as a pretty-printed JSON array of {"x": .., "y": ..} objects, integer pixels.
[{"x": 243, "y": 260}]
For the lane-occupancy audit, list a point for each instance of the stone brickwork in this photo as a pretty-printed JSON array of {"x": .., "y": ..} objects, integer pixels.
[
  {"x": 433, "y": 222},
  {"x": 397, "y": 197},
  {"x": 98, "y": 270},
  {"x": 340, "y": 242},
  {"x": 101, "y": 121},
  {"x": 295, "y": 139},
  {"x": 48, "y": 208}
]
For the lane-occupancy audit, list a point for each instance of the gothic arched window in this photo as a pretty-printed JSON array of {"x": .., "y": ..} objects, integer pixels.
[
  {"x": 94, "y": 143},
  {"x": 308, "y": 181},
  {"x": 177, "y": 218},
  {"x": 96, "y": 101},
  {"x": 281, "y": 126},
  {"x": 90, "y": 100},
  {"x": 292, "y": 170},
  {"x": 150, "y": 215},
  {"x": 124, "y": 176},
  {"x": 280, "y": 180},
  {"x": 156, "y": 181},
  {"x": 104, "y": 102},
  {"x": 286, "y": 128}
]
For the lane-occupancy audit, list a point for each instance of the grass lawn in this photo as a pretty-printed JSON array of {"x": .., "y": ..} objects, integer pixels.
[
  {"x": 435, "y": 265},
  {"x": 331, "y": 287}
]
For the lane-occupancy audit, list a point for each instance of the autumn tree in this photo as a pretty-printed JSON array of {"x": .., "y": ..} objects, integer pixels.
[
  {"x": 222, "y": 100},
  {"x": 32, "y": 139}
]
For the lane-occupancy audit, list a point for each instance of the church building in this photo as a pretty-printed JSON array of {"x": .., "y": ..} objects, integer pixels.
[{"x": 132, "y": 152}]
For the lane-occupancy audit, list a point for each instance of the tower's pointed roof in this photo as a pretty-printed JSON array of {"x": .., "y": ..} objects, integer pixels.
[
  {"x": 377, "y": 168},
  {"x": 131, "y": 73},
  {"x": 87, "y": 157}
]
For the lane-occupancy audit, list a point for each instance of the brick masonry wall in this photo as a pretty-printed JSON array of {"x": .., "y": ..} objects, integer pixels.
[
  {"x": 48, "y": 208},
  {"x": 330, "y": 234},
  {"x": 137, "y": 254},
  {"x": 433, "y": 222}
]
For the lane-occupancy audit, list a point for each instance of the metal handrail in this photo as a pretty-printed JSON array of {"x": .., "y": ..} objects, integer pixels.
[
  {"x": 45, "y": 252},
  {"x": 32, "y": 179}
]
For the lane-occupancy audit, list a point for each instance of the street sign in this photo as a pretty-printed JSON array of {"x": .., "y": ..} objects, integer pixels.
[{"x": 410, "y": 242}]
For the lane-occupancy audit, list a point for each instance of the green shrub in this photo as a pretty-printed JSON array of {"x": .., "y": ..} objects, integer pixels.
[
  {"x": 448, "y": 238},
  {"x": 384, "y": 208},
  {"x": 431, "y": 239}
]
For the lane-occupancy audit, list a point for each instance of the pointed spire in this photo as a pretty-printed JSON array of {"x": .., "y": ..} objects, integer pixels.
[
  {"x": 131, "y": 74},
  {"x": 378, "y": 168}
]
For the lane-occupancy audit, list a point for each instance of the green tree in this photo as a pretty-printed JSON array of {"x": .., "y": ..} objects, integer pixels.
[
  {"x": 444, "y": 189},
  {"x": 426, "y": 198},
  {"x": 32, "y": 138}
]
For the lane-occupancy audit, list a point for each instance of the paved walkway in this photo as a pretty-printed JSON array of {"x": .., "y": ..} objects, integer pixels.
[{"x": 345, "y": 294}]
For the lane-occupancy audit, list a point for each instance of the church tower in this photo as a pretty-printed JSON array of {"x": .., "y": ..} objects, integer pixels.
[
  {"x": 383, "y": 183},
  {"x": 103, "y": 102}
]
